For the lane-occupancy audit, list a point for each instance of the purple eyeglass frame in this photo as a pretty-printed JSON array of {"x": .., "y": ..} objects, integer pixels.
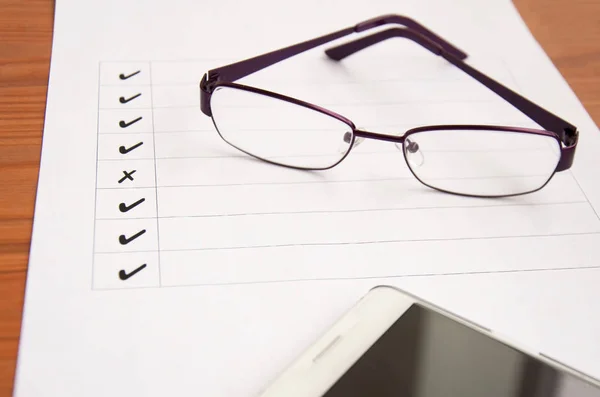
[{"x": 565, "y": 133}]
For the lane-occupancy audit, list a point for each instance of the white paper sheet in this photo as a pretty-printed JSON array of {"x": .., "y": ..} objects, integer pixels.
[{"x": 242, "y": 263}]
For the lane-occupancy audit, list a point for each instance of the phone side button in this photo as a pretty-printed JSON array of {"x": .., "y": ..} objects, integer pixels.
[{"x": 327, "y": 347}]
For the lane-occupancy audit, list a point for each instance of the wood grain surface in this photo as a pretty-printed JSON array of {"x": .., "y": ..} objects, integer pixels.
[{"x": 569, "y": 31}]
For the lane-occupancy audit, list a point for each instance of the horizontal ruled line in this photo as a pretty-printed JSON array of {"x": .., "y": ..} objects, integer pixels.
[
  {"x": 414, "y": 275},
  {"x": 408, "y": 177},
  {"x": 352, "y": 104},
  {"x": 354, "y": 210},
  {"x": 316, "y": 82},
  {"x": 357, "y": 243}
]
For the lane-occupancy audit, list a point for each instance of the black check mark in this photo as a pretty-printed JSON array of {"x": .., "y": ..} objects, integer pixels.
[
  {"x": 123, "y": 275},
  {"x": 124, "y": 207},
  {"x": 125, "y": 150},
  {"x": 126, "y": 240},
  {"x": 124, "y": 124},
  {"x": 125, "y": 100},
  {"x": 125, "y": 77}
]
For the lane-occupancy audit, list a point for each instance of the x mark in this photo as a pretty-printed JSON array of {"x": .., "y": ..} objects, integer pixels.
[{"x": 127, "y": 175}]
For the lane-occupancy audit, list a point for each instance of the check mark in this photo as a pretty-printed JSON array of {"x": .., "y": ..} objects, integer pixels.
[
  {"x": 125, "y": 100},
  {"x": 123, "y": 275},
  {"x": 124, "y": 124},
  {"x": 124, "y": 207},
  {"x": 124, "y": 77},
  {"x": 126, "y": 240},
  {"x": 125, "y": 150}
]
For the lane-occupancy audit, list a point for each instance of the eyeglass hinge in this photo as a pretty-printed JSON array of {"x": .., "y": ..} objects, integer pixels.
[
  {"x": 208, "y": 82},
  {"x": 571, "y": 135},
  {"x": 206, "y": 88}
]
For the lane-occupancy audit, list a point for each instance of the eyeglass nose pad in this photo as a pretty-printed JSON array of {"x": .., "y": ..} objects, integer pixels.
[
  {"x": 412, "y": 152},
  {"x": 357, "y": 141},
  {"x": 347, "y": 139}
]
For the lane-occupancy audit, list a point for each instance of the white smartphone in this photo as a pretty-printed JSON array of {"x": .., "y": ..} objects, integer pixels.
[{"x": 392, "y": 343}]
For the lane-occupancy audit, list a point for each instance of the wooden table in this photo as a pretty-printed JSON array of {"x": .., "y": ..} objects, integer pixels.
[{"x": 569, "y": 31}]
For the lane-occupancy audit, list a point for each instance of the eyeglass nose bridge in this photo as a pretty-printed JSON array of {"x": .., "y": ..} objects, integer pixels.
[
  {"x": 398, "y": 139},
  {"x": 360, "y": 135},
  {"x": 411, "y": 149}
]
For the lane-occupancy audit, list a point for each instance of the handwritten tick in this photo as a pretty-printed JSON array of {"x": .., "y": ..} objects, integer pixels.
[
  {"x": 124, "y": 124},
  {"x": 125, "y": 150},
  {"x": 125, "y": 77},
  {"x": 123, "y": 275},
  {"x": 125, "y": 100},
  {"x": 124, "y": 240},
  {"x": 124, "y": 207}
]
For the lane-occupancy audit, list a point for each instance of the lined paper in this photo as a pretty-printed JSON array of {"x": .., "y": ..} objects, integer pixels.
[
  {"x": 164, "y": 261},
  {"x": 200, "y": 194}
]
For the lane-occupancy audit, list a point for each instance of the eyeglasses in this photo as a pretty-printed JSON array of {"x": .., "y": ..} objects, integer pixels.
[{"x": 469, "y": 160}]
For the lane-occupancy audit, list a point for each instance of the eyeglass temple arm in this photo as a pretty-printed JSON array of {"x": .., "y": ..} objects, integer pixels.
[
  {"x": 566, "y": 131},
  {"x": 246, "y": 67}
]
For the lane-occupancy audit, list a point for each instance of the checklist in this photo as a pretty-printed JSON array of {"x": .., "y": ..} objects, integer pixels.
[
  {"x": 197, "y": 212},
  {"x": 126, "y": 206}
]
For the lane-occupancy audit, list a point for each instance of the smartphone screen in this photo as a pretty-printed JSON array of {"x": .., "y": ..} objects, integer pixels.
[{"x": 425, "y": 354}]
